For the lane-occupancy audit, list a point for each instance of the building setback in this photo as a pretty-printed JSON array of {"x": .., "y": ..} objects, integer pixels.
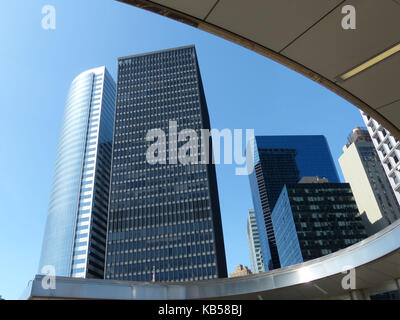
[
  {"x": 280, "y": 160},
  {"x": 372, "y": 191},
  {"x": 164, "y": 219},
  {"x": 253, "y": 239},
  {"x": 314, "y": 219},
  {"x": 76, "y": 227}
]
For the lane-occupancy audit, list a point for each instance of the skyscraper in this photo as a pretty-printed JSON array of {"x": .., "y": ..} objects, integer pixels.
[
  {"x": 75, "y": 232},
  {"x": 313, "y": 219},
  {"x": 253, "y": 239},
  {"x": 281, "y": 160},
  {"x": 372, "y": 191},
  {"x": 164, "y": 218},
  {"x": 388, "y": 149}
]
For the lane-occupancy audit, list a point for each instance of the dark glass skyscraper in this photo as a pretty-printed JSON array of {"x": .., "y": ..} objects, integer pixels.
[
  {"x": 281, "y": 160},
  {"x": 314, "y": 219},
  {"x": 164, "y": 219}
]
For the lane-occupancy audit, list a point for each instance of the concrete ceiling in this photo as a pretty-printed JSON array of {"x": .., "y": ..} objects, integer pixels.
[{"x": 307, "y": 36}]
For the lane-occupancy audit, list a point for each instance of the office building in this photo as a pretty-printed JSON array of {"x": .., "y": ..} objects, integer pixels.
[
  {"x": 388, "y": 149},
  {"x": 253, "y": 239},
  {"x": 280, "y": 160},
  {"x": 75, "y": 233},
  {"x": 363, "y": 170},
  {"x": 164, "y": 218},
  {"x": 311, "y": 220}
]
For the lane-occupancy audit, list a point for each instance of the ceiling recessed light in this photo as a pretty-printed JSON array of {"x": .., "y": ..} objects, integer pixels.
[{"x": 371, "y": 62}]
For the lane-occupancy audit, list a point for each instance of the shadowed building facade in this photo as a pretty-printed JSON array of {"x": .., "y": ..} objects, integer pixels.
[
  {"x": 164, "y": 219},
  {"x": 388, "y": 149},
  {"x": 311, "y": 220}
]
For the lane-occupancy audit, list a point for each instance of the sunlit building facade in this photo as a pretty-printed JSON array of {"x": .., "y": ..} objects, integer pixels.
[
  {"x": 76, "y": 226},
  {"x": 363, "y": 170},
  {"x": 253, "y": 239},
  {"x": 240, "y": 271}
]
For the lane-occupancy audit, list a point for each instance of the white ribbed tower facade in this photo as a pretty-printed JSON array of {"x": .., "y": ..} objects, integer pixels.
[{"x": 76, "y": 226}]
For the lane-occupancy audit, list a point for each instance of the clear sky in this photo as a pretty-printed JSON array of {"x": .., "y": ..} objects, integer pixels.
[{"x": 243, "y": 90}]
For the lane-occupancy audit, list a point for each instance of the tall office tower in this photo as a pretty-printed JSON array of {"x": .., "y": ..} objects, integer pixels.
[
  {"x": 253, "y": 239},
  {"x": 363, "y": 170},
  {"x": 164, "y": 219},
  {"x": 314, "y": 219},
  {"x": 76, "y": 227},
  {"x": 279, "y": 160},
  {"x": 388, "y": 148}
]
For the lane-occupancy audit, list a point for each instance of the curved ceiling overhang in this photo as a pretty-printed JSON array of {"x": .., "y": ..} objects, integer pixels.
[
  {"x": 374, "y": 263},
  {"x": 307, "y": 36}
]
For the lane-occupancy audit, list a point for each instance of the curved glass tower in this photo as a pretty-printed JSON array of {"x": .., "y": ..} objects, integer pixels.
[{"x": 75, "y": 232}]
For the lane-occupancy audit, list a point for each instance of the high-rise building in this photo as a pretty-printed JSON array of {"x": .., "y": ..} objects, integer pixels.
[
  {"x": 388, "y": 149},
  {"x": 311, "y": 220},
  {"x": 253, "y": 239},
  {"x": 372, "y": 191},
  {"x": 75, "y": 233},
  {"x": 164, "y": 218},
  {"x": 280, "y": 160}
]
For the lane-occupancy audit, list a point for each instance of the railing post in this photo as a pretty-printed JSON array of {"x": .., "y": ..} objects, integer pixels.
[
  {"x": 359, "y": 295},
  {"x": 398, "y": 285}
]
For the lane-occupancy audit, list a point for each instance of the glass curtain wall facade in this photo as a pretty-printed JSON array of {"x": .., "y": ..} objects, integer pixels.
[
  {"x": 314, "y": 219},
  {"x": 75, "y": 232},
  {"x": 280, "y": 160},
  {"x": 164, "y": 221},
  {"x": 253, "y": 239}
]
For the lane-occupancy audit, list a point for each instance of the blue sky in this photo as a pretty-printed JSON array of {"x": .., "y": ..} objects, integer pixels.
[{"x": 243, "y": 90}]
